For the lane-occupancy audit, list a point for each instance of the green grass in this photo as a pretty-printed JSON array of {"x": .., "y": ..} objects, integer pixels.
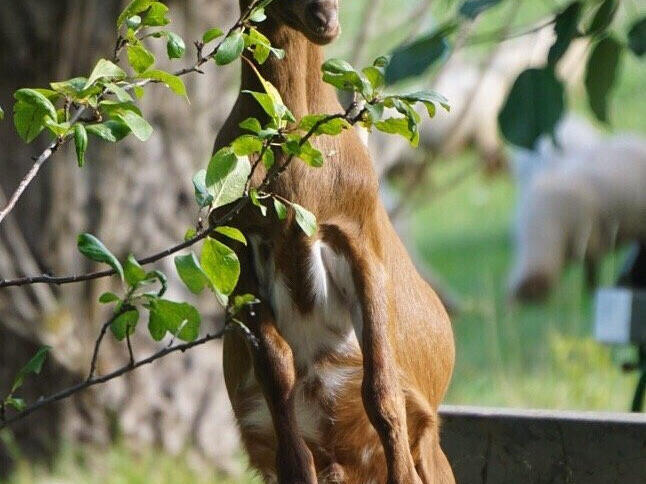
[
  {"x": 118, "y": 465},
  {"x": 511, "y": 355}
]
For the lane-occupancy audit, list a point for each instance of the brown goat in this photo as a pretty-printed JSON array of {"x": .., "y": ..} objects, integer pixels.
[{"x": 354, "y": 350}]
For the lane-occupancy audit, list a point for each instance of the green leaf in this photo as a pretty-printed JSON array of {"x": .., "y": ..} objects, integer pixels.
[
  {"x": 305, "y": 152},
  {"x": 261, "y": 46},
  {"x": 226, "y": 177},
  {"x": 400, "y": 126},
  {"x": 221, "y": 266},
  {"x": 18, "y": 404},
  {"x": 135, "y": 7},
  {"x": 138, "y": 125},
  {"x": 134, "y": 22},
  {"x": 601, "y": 74},
  {"x": 190, "y": 233},
  {"x": 80, "y": 142},
  {"x": 211, "y": 34},
  {"x": 191, "y": 273},
  {"x": 108, "y": 297},
  {"x": 202, "y": 195},
  {"x": 133, "y": 271},
  {"x": 36, "y": 99},
  {"x": 305, "y": 219},
  {"x": 566, "y": 29},
  {"x": 159, "y": 277},
  {"x": 330, "y": 127},
  {"x": 243, "y": 300},
  {"x": 268, "y": 158},
  {"x": 120, "y": 92},
  {"x": 177, "y": 318},
  {"x": 533, "y": 107},
  {"x": 112, "y": 130},
  {"x": 30, "y": 112},
  {"x": 231, "y": 48},
  {"x": 33, "y": 367},
  {"x": 105, "y": 70},
  {"x": 173, "y": 82},
  {"x": 271, "y": 102},
  {"x": 140, "y": 58},
  {"x": 251, "y": 124},
  {"x": 125, "y": 324},
  {"x": 427, "y": 97},
  {"x": 637, "y": 37},
  {"x": 281, "y": 209},
  {"x": 28, "y": 120},
  {"x": 1, "y": 114},
  {"x": 603, "y": 17},
  {"x": 175, "y": 47},
  {"x": 246, "y": 145},
  {"x": 415, "y": 58},
  {"x": 232, "y": 233},
  {"x": 266, "y": 103},
  {"x": 472, "y": 8},
  {"x": 376, "y": 76},
  {"x": 258, "y": 15},
  {"x": 75, "y": 88},
  {"x": 342, "y": 75},
  {"x": 255, "y": 200},
  {"x": 93, "y": 249},
  {"x": 60, "y": 130},
  {"x": 156, "y": 15}
]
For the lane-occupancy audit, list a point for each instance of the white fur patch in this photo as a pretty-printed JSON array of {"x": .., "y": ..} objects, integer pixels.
[{"x": 328, "y": 328}]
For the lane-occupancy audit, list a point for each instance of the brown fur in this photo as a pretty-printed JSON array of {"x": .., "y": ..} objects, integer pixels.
[{"x": 389, "y": 404}]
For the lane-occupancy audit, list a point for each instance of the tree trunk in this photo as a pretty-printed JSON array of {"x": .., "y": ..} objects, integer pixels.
[{"x": 135, "y": 197}]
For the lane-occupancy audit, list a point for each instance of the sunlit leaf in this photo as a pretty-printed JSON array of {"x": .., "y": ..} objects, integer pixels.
[
  {"x": 93, "y": 249},
  {"x": 221, "y": 266}
]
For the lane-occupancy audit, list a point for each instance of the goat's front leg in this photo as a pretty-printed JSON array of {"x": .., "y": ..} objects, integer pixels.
[
  {"x": 382, "y": 396},
  {"x": 274, "y": 368}
]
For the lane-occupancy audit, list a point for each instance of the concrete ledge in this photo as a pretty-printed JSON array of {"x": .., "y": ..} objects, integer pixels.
[{"x": 499, "y": 446}]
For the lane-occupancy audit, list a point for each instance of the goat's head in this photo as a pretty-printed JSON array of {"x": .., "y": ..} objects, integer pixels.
[{"x": 318, "y": 20}]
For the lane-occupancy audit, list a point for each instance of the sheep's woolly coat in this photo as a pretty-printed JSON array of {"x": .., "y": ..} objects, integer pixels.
[{"x": 589, "y": 199}]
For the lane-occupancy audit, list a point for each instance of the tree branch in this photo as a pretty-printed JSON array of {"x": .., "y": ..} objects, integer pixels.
[
  {"x": 353, "y": 114},
  {"x": 56, "y": 145},
  {"x": 68, "y": 392}
]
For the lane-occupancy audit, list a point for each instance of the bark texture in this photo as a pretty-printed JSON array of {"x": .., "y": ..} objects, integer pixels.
[{"x": 135, "y": 197}]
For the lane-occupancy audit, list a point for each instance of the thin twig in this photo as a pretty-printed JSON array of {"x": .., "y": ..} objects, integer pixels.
[
  {"x": 43, "y": 402},
  {"x": 29, "y": 177},
  {"x": 60, "y": 280},
  {"x": 97, "y": 345},
  {"x": 131, "y": 354}
]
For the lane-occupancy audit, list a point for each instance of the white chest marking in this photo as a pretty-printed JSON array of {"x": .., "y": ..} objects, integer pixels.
[
  {"x": 330, "y": 326},
  {"x": 328, "y": 329}
]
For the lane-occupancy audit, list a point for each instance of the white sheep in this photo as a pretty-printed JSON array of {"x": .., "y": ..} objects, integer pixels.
[{"x": 588, "y": 197}]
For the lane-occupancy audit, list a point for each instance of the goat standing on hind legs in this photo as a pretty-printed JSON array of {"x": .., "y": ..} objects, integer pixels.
[{"x": 354, "y": 351}]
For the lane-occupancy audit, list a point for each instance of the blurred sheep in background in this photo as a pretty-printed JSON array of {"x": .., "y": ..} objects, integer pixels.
[{"x": 578, "y": 199}]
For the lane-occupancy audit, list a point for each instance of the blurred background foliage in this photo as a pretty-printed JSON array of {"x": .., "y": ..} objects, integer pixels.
[{"x": 539, "y": 355}]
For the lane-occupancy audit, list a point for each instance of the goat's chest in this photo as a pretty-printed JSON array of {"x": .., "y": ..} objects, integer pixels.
[
  {"x": 325, "y": 279},
  {"x": 322, "y": 340}
]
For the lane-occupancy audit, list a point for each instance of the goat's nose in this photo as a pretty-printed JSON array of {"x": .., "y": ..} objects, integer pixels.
[{"x": 323, "y": 15}]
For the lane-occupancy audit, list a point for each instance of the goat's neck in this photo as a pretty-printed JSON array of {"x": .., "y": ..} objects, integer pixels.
[{"x": 298, "y": 76}]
